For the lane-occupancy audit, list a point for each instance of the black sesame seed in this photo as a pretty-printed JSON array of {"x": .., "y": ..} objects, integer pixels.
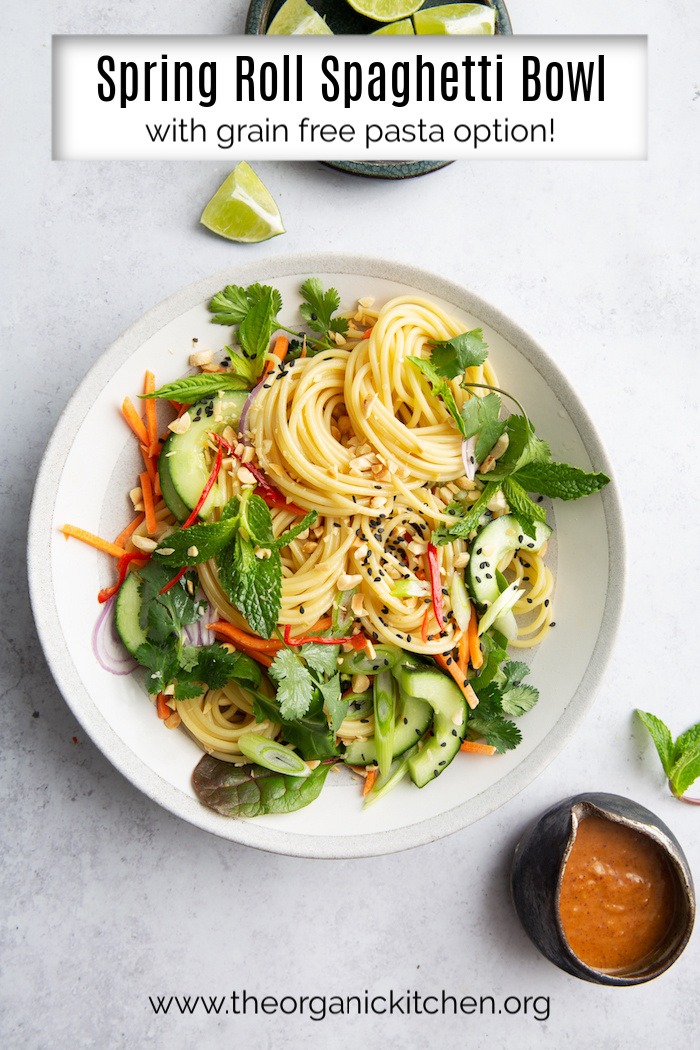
[
  {"x": 405, "y": 721},
  {"x": 443, "y": 744},
  {"x": 301, "y": 608}
]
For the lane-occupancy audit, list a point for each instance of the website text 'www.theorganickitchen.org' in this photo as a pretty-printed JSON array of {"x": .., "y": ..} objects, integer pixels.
[{"x": 408, "y": 1003}]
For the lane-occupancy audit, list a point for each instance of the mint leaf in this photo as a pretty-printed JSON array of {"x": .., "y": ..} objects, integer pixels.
[
  {"x": 451, "y": 357},
  {"x": 663, "y": 741},
  {"x": 480, "y": 416},
  {"x": 255, "y": 330},
  {"x": 469, "y": 520},
  {"x": 257, "y": 520},
  {"x": 291, "y": 534},
  {"x": 494, "y": 655},
  {"x": 207, "y": 539},
  {"x": 522, "y": 507},
  {"x": 250, "y": 791},
  {"x": 295, "y": 686},
  {"x": 319, "y": 307},
  {"x": 191, "y": 389},
  {"x": 242, "y": 366},
  {"x": 254, "y": 585},
  {"x": 559, "y": 480},
  {"x": 686, "y": 741},
  {"x": 686, "y": 770},
  {"x": 441, "y": 388},
  {"x": 523, "y": 447}
]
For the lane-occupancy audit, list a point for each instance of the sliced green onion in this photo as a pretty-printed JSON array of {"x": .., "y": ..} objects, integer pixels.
[
  {"x": 271, "y": 755},
  {"x": 409, "y": 589},
  {"x": 385, "y": 693},
  {"x": 503, "y": 604}
]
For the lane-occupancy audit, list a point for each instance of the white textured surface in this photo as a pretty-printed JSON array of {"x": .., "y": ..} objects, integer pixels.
[{"x": 109, "y": 899}]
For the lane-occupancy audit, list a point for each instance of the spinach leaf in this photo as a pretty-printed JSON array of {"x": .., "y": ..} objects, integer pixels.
[{"x": 250, "y": 791}]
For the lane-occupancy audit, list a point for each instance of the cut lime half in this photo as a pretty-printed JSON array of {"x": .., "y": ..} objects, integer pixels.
[
  {"x": 297, "y": 18},
  {"x": 385, "y": 10},
  {"x": 404, "y": 27},
  {"x": 242, "y": 209},
  {"x": 456, "y": 19}
]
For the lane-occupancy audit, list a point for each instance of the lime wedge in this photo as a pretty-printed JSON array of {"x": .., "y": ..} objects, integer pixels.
[
  {"x": 297, "y": 18},
  {"x": 385, "y": 10},
  {"x": 242, "y": 209},
  {"x": 457, "y": 19},
  {"x": 402, "y": 28}
]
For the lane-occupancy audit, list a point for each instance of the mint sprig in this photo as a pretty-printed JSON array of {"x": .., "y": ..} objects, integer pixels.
[{"x": 680, "y": 758}]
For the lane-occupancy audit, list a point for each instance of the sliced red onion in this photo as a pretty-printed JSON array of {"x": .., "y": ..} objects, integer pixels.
[
  {"x": 469, "y": 457},
  {"x": 107, "y": 646},
  {"x": 246, "y": 408}
]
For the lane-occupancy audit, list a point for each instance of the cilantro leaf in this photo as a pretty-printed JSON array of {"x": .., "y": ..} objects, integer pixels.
[
  {"x": 487, "y": 721},
  {"x": 559, "y": 480},
  {"x": 319, "y": 307},
  {"x": 191, "y": 389},
  {"x": 519, "y": 699},
  {"x": 480, "y": 416},
  {"x": 451, "y": 357},
  {"x": 162, "y": 663},
  {"x": 334, "y": 705},
  {"x": 295, "y": 686},
  {"x": 466, "y": 522},
  {"x": 216, "y": 666},
  {"x": 321, "y": 658},
  {"x": 309, "y": 733},
  {"x": 230, "y": 305},
  {"x": 164, "y": 615},
  {"x": 522, "y": 507},
  {"x": 441, "y": 388},
  {"x": 206, "y": 538}
]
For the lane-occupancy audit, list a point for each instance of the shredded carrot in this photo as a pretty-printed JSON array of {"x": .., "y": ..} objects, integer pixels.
[
  {"x": 477, "y": 749},
  {"x": 475, "y": 654},
  {"x": 463, "y": 651},
  {"x": 369, "y": 781},
  {"x": 162, "y": 707},
  {"x": 134, "y": 420},
  {"x": 424, "y": 626},
  {"x": 368, "y": 333},
  {"x": 149, "y": 386},
  {"x": 280, "y": 351},
  {"x": 148, "y": 463},
  {"x": 256, "y": 654},
  {"x": 157, "y": 491},
  {"x": 251, "y": 641},
  {"x": 148, "y": 504},
  {"x": 94, "y": 541},
  {"x": 129, "y": 530},
  {"x": 452, "y": 668}
]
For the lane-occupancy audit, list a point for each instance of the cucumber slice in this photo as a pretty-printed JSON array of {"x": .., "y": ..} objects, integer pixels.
[
  {"x": 271, "y": 755},
  {"x": 384, "y": 784},
  {"x": 499, "y": 609},
  {"x": 412, "y": 722},
  {"x": 182, "y": 464},
  {"x": 449, "y": 723},
  {"x": 126, "y": 614},
  {"x": 490, "y": 546}
]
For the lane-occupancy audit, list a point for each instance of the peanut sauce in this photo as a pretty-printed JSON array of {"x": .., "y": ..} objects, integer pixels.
[{"x": 617, "y": 896}]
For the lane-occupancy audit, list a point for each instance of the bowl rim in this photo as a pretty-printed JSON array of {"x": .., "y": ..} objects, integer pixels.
[{"x": 56, "y": 652}]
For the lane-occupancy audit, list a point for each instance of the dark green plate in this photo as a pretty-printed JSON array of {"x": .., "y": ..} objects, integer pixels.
[{"x": 342, "y": 19}]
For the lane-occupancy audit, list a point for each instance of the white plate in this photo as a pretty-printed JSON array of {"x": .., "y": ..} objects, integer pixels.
[{"x": 91, "y": 463}]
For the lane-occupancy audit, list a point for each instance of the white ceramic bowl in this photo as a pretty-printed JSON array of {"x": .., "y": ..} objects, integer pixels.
[{"x": 91, "y": 463}]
